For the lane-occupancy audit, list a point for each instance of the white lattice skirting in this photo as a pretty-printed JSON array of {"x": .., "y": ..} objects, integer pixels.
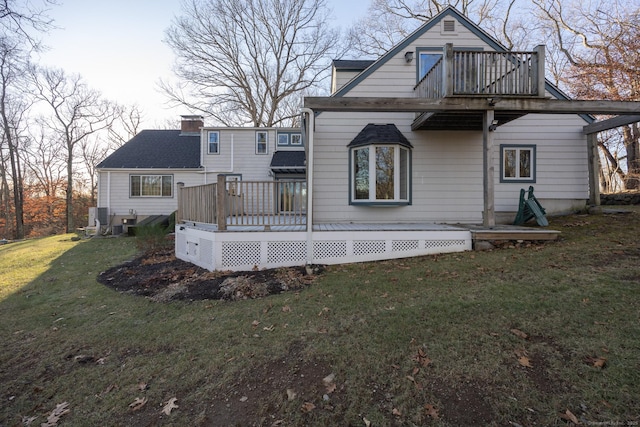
[{"x": 241, "y": 251}]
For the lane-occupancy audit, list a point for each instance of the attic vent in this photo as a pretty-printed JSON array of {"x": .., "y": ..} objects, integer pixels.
[{"x": 448, "y": 26}]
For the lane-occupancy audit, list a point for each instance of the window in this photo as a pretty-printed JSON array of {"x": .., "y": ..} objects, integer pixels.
[
  {"x": 380, "y": 174},
  {"x": 289, "y": 138},
  {"x": 151, "y": 185},
  {"x": 262, "y": 142},
  {"x": 214, "y": 142},
  {"x": 426, "y": 61},
  {"x": 517, "y": 163}
]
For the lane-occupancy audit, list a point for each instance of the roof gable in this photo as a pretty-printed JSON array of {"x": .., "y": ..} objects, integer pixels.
[{"x": 448, "y": 12}]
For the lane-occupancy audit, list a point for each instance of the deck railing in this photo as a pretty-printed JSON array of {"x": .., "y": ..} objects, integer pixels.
[
  {"x": 231, "y": 203},
  {"x": 197, "y": 204},
  {"x": 478, "y": 73}
]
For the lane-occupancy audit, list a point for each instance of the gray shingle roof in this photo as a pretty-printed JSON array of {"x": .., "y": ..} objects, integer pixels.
[
  {"x": 163, "y": 149},
  {"x": 380, "y": 134},
  {"x": 352, "y": 64},
  {"x": 288, "y": 161}
]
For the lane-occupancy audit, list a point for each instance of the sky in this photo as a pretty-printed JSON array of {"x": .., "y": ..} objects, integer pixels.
[{"x": 116, "y": 46}]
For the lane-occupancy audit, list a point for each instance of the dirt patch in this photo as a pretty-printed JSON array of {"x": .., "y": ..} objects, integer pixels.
[
  {"x": 162, "y": 277},
  {"x": 262, "y": 395}
]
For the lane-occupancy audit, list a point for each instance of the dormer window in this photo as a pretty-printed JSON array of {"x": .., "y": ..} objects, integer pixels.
[{"x": 380, "y": 159}]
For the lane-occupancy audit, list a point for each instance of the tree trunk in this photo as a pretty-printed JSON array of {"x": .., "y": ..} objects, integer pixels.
[
  {"x": 632, "y": 146},
  {"x": 69, "y": 197}
]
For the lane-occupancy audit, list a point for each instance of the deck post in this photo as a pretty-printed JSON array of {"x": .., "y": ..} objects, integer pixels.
[
  {"x": 594, "y": 169},
  {"x": 489, "y": 214},
  {"x": 221, "y": 202},
  {"x": 180, "y": 210},
  {"x": 447, "y": 72},
  {"x": 539, "y": 62}
]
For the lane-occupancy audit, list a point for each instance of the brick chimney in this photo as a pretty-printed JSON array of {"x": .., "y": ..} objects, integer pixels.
[{"x": 191, "y": 125}]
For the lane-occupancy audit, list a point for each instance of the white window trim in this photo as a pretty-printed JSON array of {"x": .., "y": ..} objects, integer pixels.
[
  {"x": 209, "y": 142},
  {"x": 266, "y": 142},
  {"x": 286, "y": 137},
  {"x": 518, "y": 148},
  {"x": 151, "y": 195},
  {"x": 372, "y": 200}
]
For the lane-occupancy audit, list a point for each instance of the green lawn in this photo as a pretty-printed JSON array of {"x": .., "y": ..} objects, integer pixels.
[{"x": 528, "y": 335}]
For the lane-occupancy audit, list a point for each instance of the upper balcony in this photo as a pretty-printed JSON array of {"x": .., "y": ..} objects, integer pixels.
[{"x": 471, "y": 74}]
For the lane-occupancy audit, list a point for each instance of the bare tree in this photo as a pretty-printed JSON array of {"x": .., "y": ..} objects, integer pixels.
[
  {"x": 600, "y": 44},
  {"x": 126, "y": 126},
  {"x": 390, "y": 21},
  {"x": 245, "y": 62},
  {"x": 76, "y": 112},
  {"x": 13, "y": 106},
  {"x": 21, "y": 20}
]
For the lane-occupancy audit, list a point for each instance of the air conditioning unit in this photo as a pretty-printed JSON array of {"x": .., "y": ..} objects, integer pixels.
[{"x": 99, "y": 214}]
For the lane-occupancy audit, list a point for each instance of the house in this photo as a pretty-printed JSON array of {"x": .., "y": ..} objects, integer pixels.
[
  {"x": 144, "y": 176},
  {"x": 421, "y": 151}
]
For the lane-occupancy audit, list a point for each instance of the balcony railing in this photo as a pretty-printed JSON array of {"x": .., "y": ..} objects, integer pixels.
[
  {"x": 244, "y": 203},
  {"x": 477, "y": 73}
]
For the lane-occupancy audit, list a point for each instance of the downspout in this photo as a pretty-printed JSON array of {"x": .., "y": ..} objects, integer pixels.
[
  {"x": 309, "y": 147},
  {"x": 231, "y": 162},
  {"x": 108, "y": 192}
]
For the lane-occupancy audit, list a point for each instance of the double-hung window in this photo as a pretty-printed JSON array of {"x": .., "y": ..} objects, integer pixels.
[
  {"x": 517, "y": 163},
  {"x": 151, "y": 185},
  {"x": 213, "y": 142},
  {"x": 262, "y": 142}
]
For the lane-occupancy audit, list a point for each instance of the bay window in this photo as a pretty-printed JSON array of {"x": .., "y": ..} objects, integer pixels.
[{"x": 380, "y": 174}]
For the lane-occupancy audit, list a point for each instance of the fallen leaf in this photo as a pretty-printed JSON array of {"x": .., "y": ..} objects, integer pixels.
[
  {"x": 519, "y": 333},
  {"x": 421, "y": 358},
  {"x": 138, "y": 403},
  {"x": 170, "y": 405},
  {"x": 524, "y": 361},
  {"x": 410, "y": 378},
  {"x": 308, "y": 406},
  {"x": 431, "y": 411},
  {"x": 53, "y": 418},
  {"x": 143, "y": 386},
  {"x": 291, "y": 395},
  {"x": 367, "y": 423},
  {"x": 596, "y": 362},
  {"x": 26, "y": 421},
  {"x": 269, "y": 328},
  {"x": 255, "y": 323},
  {"x": 568, "y": 415},
  {"x": 329, "y": 383},
  {"x": 286, "y": 309},
  {"x": 396, "y": 412}
]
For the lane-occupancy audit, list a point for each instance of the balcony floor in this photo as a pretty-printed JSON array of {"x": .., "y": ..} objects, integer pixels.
[{"x": 459, "y": 120}]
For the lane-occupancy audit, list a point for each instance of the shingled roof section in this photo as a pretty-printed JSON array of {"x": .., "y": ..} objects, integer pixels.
[
  {"x": 352, "y": 64},
  {"x": 288, "y": 162},
  {"x": 161, "y": 149},
  {"x": 379, "y": 134}
]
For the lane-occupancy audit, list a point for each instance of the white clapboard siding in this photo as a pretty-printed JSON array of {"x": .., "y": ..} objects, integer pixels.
[
  {"x": 447, "y": 166},
  {"x": 242, "y": 141},
  {"x": 114, "y": 192}
]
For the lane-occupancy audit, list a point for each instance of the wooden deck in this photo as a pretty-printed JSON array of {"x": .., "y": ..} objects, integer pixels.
[{"x": 478, "y": 232}]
